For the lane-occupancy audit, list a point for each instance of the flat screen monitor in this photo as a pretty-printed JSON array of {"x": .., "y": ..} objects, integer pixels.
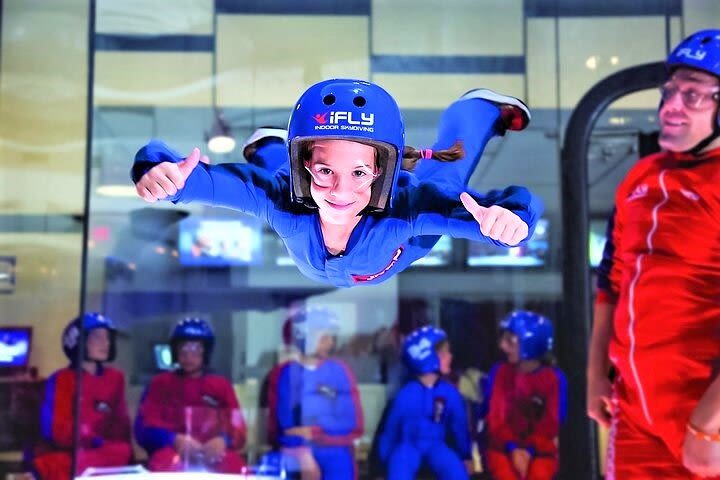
[
  {"x": 439, "y": 256},
  {"x": 15, "y": 343},
  {"x": 281, "y": 256},
  {"x": 597, "y": 231},
  {"x": 7, "y": 274},
  {"x": 531, "y": 254},
  {"x": 163, "y": 356},
  {"x": 220, "y": 241}
]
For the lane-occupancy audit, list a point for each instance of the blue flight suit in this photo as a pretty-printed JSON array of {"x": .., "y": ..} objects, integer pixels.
[
  {"x": 326, "y": 398},
  {"x": 425, "y": 206},
  {"x": 416, "y": 429}
]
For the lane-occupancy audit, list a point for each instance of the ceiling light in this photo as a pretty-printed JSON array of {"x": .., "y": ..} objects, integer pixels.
[
  {"x": 221, "y": 144},
  {"x": 220, "y": 139}
]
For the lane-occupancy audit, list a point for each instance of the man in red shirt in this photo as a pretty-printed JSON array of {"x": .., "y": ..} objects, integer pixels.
[
  {"x": 657, "y": 311},
  {"x": 190, "y": 418}
]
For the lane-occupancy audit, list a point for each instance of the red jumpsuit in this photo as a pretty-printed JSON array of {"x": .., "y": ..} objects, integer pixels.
[
  {"x": 524, "y": 412},
  {"x": 662, "y": 270},
  {"x": 104, "y": 423},
  {"x": 203, "y": 407}
]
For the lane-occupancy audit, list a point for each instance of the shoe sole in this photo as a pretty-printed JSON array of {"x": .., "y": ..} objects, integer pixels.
[
  {"x": 265, "y": 132},
  {"x": 489, "y": 95}
]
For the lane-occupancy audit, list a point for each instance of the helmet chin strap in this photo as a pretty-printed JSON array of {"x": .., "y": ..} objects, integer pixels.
[{"x": 697, "y": 149}]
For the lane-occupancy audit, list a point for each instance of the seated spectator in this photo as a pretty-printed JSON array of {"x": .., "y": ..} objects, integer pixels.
[
  {"x": 526, "y": 397},
  {"x": 426, "y": 410},
  {"x": 314, "y": 403},
  {"x": 190, "y": 418},
  {"x": 104, "y": 430}
]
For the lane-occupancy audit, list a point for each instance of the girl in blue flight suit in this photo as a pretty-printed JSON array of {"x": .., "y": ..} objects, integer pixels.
[
  {"x": 344, "y": 210},
  {"x": 314, "y": 403},
  {"x": 424, "y": 411}
]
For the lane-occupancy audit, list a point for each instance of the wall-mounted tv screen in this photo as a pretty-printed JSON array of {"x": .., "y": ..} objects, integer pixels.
[
  {"x": 281, "y": 256},
  {"x": 15, "y": 343},
  {"x": 533, "y": 253},
  {"x": 597, "y": 229},
  {"x": 7, "y": 274},
  {"x": 220, "y": 241},
  {"x": 439, "y": 256},
  {"x": 163, "y": 356}
]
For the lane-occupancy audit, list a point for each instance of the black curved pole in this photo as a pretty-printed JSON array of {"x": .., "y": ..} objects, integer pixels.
[{"x": 578, "y": 443}]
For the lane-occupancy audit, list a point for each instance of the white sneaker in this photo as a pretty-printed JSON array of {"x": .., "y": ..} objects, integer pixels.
[
  {"x": 265, "y": 132},
  {"x": 515, "y": 115}
]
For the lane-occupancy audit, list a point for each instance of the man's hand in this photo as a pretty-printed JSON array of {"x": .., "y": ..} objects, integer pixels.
[
  {"x": 599, "y": 406},
  {"x": 309, "y": 468},
  {"x": 214, "y": 449},
  {"x": 304, "y": 432},
  {"x": 521, "y": 461},
  {"x": 496, "y": 222},
  {"x": 185, "y": 445},
  {"x": 166, "y": 178},
  {"x": 700, "y": 456}
]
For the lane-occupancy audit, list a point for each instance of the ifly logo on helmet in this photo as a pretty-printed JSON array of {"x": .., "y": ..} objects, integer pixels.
[
  {"x": 693, "y": 55},
  {"x": 420, "y": 350},
  {"x": 341, "y": 120}
]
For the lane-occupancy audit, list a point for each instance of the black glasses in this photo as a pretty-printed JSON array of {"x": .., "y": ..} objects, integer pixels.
[{"x": 692, "y": 98}]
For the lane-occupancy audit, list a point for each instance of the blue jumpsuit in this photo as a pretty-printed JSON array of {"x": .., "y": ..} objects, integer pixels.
[
  {"x": 326, "y": 398},
  {"x": 425, "y": 206},
  {"x": 416, "y": 429}
]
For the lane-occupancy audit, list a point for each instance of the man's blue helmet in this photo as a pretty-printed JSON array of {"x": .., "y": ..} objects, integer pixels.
[
  {"x": 346, "y": 109},
  {"x": 700, "y": 51},
  {"x": 420, "y": 350},
  {"x": 534, "y": 332},
  {"x": 192, "y": 329},
  {"x": 80, "y": 327},
  {"x": 306, "y": 327}
]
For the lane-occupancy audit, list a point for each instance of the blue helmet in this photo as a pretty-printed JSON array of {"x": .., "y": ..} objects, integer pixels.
[
  {"x": 306, "y": 328},
  {"x": 534, "y": 332},
  {"x": 79, "y": 328},
  {"x": 194, "y": 329},
  {"x": 420, "y": 350},
  {"x": 700, "y": 51},
  {"x": 346, "y": 109}
]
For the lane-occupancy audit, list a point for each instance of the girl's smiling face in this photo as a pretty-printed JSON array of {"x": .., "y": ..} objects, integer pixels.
[{"x": 342, "y": 173}]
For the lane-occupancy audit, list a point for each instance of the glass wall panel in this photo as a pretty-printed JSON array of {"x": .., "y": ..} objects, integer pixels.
[
  {"x": 43, "y": 113},
  {"x": 222, "y": 355},
  {"x": 154, "y": 265}
]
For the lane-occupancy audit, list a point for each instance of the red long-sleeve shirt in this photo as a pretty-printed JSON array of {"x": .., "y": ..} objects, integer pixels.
[
  {"x": 204, "y": 407},
  {"x": 103, "y": 412},
  {"x": 662, "y": 270}
]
